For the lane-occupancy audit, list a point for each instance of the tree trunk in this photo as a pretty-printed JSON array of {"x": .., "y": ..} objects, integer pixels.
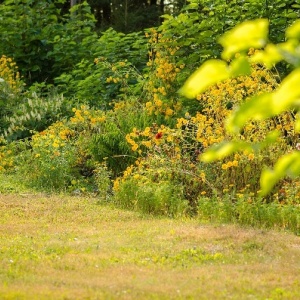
[
  {"x": 106, "y": 12},
  {"x": 162, "y": 6},
  {"x": 126, "y": 14},
  {"x": 73, "y": 2}
]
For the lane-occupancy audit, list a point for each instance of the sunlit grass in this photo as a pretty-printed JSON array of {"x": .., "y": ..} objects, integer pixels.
[{"x": 76, "y": 248}]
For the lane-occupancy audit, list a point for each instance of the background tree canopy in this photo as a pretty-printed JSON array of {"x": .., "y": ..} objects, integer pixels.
[{"x": 131, "y": 15}]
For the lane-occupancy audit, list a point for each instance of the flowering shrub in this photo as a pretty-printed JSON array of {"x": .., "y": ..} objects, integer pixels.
[
  {"x": 58, "y": 157},
  {"x": 171, "y": 154},
  {"x": 161, "y": 87},
  {"x": 10, "y": 87},
  {"x": 53, "y": 157},
  {"x": 9, "y": 74},
  {"x": 35, "y": 113},
  {"x": 6, "y": 156},
  {"x": 82, "y": 152}
]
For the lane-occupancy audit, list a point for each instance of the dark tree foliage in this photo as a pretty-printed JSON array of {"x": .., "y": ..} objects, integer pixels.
[{"x": 130, "y": 15}]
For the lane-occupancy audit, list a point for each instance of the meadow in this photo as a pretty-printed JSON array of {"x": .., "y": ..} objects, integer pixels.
[{"x": 62, "y": 247}]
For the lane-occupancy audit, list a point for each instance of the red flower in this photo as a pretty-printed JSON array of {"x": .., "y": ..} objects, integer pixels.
[{"x": 158, "y": 135}]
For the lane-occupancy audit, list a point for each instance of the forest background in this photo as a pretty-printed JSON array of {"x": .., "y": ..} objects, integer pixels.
[{"x": 90, "y": 105}]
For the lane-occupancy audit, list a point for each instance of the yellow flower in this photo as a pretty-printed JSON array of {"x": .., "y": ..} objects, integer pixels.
[
  {"x": 147, "y": 144},
  {"x": 169, "y": 112},
  {"x": 235, "y": 163},
  {"x": 134, "y": 147},
  {"x": 170, "y": 138},
  {"x": 251, "y": 156},
  {"x": 202, "y": 176},
  {"x": 224, "y": 166},
  {"x": 146, "y": 131}
]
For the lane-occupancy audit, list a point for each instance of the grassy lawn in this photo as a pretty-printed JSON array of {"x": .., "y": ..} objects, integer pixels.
[{"x": 75, "y": 248}]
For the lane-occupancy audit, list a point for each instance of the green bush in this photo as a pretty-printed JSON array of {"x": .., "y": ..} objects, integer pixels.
[
  {"x": 111, "y": 71},
  {"x": 34, "y": 114},
  {"x": 42, "y": 41}
]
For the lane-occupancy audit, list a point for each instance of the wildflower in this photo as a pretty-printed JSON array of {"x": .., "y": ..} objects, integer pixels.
[
  {"x": 251, "y": 156},
  {"x": 146, "y": 131},
  {"x": 235, "y": 163},
  {"x": 170, "y": 138},
  {"x": 147, "y": 144},
  {"x": 202, "y": 175},
  {"x": 224, "y": 167},
  {"x": 134, "y": 147},
  {"x": 159, "y": 135},
  {"x": 169, "y": 112}
]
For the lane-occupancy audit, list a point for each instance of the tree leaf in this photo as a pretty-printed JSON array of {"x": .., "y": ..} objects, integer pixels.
[
  {"x": 288, "y": 164},
  {"x": 288, "y": 92},
  {"x": 209, "y": 73},
  {"x": 223, "y": 150},
  {"x": 256, "y": 108},
  {"x": 269, "y": 57},
  {"x": 293, "y": 32},
  {"x": 244, "y": 36},
  {"x": 240, "y": 67}
]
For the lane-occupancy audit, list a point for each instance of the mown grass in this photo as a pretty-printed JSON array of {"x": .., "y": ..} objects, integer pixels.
[{"x": 77, "y": 248}]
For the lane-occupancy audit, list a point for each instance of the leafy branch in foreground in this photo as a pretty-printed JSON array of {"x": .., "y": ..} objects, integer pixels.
[{"x": 253, "y": 34}]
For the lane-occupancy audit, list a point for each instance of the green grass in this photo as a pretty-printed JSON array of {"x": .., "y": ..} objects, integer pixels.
[{"x": 75, "y": 248}]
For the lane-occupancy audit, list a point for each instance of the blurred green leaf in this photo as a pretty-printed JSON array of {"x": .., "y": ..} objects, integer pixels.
[
  {"x": 293, "y": 32},
  {"x": 288, "y": 164},
  {"x": 244, "y": 36},
  {"x": 257, "y": 108},
  {"x": 223, "y": 150},
  {"x": 240, "y": 66},
  {"x": 269, "y": 56},
  {"x": 287, "y": 94},
  {"x": 209, "y": 73}
]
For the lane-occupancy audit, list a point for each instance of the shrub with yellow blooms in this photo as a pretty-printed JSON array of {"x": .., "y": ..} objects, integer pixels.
[
  {"x": 59, "y": 156},
  {"x": 10, "y": 87},
  {"x": 7, "y": 156},
  {"x": 9, "y": 76},
  {"x": 172, "y": 153},
  {"x": 164, "y": 67},
  {"x": 53, "y": 158}
]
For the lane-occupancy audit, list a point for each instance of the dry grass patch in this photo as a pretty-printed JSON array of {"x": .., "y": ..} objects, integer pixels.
[{"x": 75, "y": 248}]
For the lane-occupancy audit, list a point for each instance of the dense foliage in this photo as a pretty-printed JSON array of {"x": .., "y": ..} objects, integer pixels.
[{"x": 95, "y": 112}]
